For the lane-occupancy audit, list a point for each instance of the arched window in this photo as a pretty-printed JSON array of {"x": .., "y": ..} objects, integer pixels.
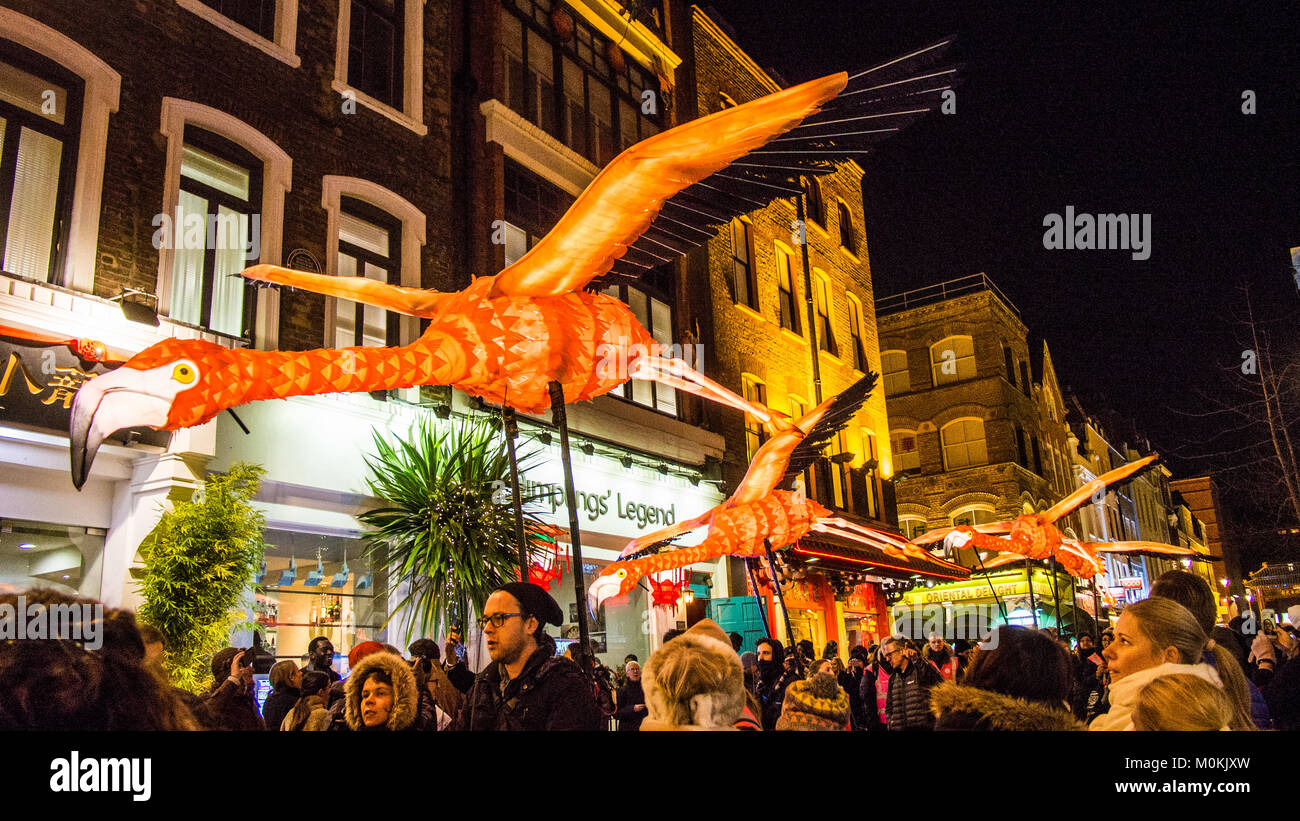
[
  {"x": 857, "y": 333},
  {"x": 907, "y": 456},
  {"x": 894, "y": 366},
  {"x": 744, "y": 286},
  {"x": 963, "y": 444},
  {"x": 66, "y": 68},
  {"x": 815, "y": 211},
  {"x": 952, "y": 359},
  {"x": 912, "y": 526},
  {"x": 373, "y": 233},
  {"x": 973, "y": 515},
  {"x": 848, "y": 238},
  {"x": 754, "y": 391},
  {"x": 822, "y": 304},
  {"x": 787, "y": 305},
  {"x": 223, "y": 173}
]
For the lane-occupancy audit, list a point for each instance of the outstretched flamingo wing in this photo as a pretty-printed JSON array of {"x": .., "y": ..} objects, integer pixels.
[
  {"x": 409, "y": 301},
  {"x": 929, "y": 537},
  {"x": 1156, "y": 549},
  {"x": 788, "y": 453},
  {"x": 1085, "y": 493},
  {"x": 667, "y": 194}
]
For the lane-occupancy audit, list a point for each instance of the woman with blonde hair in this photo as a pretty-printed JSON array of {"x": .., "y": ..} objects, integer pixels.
[
  {"x": 694, "y": 682},
  {"x": 1182, "y": 703},
  {"x": 1159, "y": 637}
]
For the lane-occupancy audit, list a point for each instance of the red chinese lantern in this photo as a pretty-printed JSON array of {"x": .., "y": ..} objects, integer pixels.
[
  {"x": 544, "y": 566},
  {"x": 561, "y": 23},
  {"x": 667, "y": 587},
  {"x": 617, "y": 61}
]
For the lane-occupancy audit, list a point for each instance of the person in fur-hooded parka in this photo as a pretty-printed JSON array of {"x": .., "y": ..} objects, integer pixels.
[
  {"x": 694, "y": 682},
  {"x": 957, "y": 707},
  {"x": 403, "y": 708}
]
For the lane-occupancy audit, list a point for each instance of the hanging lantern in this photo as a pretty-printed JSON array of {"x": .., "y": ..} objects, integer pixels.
[
  {"x": 544, "y": 564},
  {"x": 617, "y": 60},
  {"x": 561, "y": 23},
  {"x": 667, "y": 587}
]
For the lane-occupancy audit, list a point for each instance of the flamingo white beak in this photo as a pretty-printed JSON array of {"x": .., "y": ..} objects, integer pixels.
[
  {"x": 602, "y": 588},
  {"x": 122, "y": 398}
]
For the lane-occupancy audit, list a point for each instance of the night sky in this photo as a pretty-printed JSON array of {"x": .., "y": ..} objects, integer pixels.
[{"x": 1110, "y": 108}]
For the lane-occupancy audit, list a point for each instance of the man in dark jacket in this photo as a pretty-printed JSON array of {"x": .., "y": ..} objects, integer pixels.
[
  {"x": 773, "y": 678},
  {"x": 907, "y": 705},
  {"x": 526, "y": 687},
  {"x": 230, "y": 701}
]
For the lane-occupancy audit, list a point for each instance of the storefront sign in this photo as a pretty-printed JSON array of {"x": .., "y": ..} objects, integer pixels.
[
  {"x": 1131, "y": 583},
  {"x": 1005, "y": 591},
  {"x": 38, "y": 383}
]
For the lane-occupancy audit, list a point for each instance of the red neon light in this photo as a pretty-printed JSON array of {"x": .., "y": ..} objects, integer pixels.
[{"x": 807, "y": 552}]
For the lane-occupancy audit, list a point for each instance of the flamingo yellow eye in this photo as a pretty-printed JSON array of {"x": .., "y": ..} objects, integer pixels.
[
  {"x": 622, "y": 574},
  {"x": 184, "y": 373}
]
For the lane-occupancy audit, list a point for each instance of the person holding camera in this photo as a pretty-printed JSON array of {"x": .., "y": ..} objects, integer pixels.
[{"x": 230, "y": 700}]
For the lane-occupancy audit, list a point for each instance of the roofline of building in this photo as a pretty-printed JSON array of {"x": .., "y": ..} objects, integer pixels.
[{"x": 942, "y": 292}]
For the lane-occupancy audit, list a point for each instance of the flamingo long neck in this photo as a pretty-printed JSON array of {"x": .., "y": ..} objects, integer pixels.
[
  {"x": 252, "y": 375},
  {"x": 673, "y": 559}
]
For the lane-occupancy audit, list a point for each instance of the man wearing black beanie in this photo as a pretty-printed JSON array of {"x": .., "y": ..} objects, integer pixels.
[{"x": 526, "y": 687}]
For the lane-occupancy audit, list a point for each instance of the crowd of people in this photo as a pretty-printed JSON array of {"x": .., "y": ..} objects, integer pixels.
[{"x": 1164, "y": 665}]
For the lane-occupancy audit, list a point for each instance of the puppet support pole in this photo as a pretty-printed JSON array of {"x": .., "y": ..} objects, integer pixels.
[
  {"x": 758, "y": 599},
  {"x": 511, "y": 428},
  {"x": 776, "y": 583},
  {"x": 1029, "y": 577},
  {"x": 571, "y": 500}
]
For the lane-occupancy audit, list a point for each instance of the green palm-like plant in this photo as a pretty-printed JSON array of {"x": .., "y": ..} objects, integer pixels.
[
  {"x": 448, "y": 528},
  {"x": 198, "y": 561}
]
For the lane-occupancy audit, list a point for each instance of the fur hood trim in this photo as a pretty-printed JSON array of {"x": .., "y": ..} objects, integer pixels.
[
  {"x": 406, "y": 696},
  {"x": 999, "y": 712}
]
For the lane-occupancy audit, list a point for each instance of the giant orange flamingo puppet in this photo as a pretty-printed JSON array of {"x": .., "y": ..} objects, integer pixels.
[
  {"x": 758, "y": 515},
  {"x": 507, "y": 337},
  {"x": 1034, "y": 535}
]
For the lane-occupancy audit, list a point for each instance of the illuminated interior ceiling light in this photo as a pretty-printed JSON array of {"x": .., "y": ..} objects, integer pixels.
[
  {"x": 626, "y": 461},
  {"x": 587, "y": 448},
  {"x": 442, "y": 411},
  {"x": 26, "y": 546},
  {"x": 544, "y": 437},
  {"x": 290, "y": 575}
]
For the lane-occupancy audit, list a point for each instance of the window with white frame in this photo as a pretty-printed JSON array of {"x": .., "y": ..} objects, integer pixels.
[
  {"x": 223, "y": 172},
  {"x": 907, "y": 456},
  {"x": 218, "y": 222},
  {"x": 963, "y": 444},
  {"x": 912, "y": 527},
  {"x": 952, "y": 359},
  {"x": 744, "y": 288},
  {"x": 822, "y": 306},
  {"x": 370, "y": 246},
  {"x": 815, "y": 211},
  {"x": 756, "y": 392},
  {"x": 379, "y": 58},
  {"x": 894, "y": 365},
  {"x": 857, "y": 347},
  {"x": 375, "y": 233},
  {"x": 656, "y": 316},
  {"x": 787, "y": 306},
  {"x": 973, "y": 516},
  {"x": 848, "y": 238},
  {"x": 268, "y": 25},
  {"x": 569, "y": 87},
  {"x": 39, "y": 126},
  {"x": 533, "y": 207}
]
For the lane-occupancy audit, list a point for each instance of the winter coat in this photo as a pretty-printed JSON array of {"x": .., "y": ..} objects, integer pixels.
[
  {"x": 405, "y": 713},
  {"x": 318, "y": 718},
  {"x": 1283, "y": 694},
  {"x": 1124, "y": 692},
  {"x": 550, "y": 693},
  {"x": 460, "y": 677},
  {"x": 232, "y": 707},
  {"x": 871, "y": 695},
  {"x": 907, "y": 703},
  {"x": 958, "y": 707},
  {"x": 771, "y": 695},
  {"x": 278, "y": 705},
  {"x": 630, "y": 695}
]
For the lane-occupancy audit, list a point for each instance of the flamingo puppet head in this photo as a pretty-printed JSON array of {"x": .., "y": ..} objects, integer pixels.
[
  {"x": 170, "y": 385},
  {"x": 617, "y": 579}
]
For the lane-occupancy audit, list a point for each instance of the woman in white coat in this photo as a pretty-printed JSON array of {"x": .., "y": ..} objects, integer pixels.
[{"x": 1159, "y": 637}]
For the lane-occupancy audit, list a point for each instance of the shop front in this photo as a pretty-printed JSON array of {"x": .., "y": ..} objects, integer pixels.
[{"x": 986, "y": 601}]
